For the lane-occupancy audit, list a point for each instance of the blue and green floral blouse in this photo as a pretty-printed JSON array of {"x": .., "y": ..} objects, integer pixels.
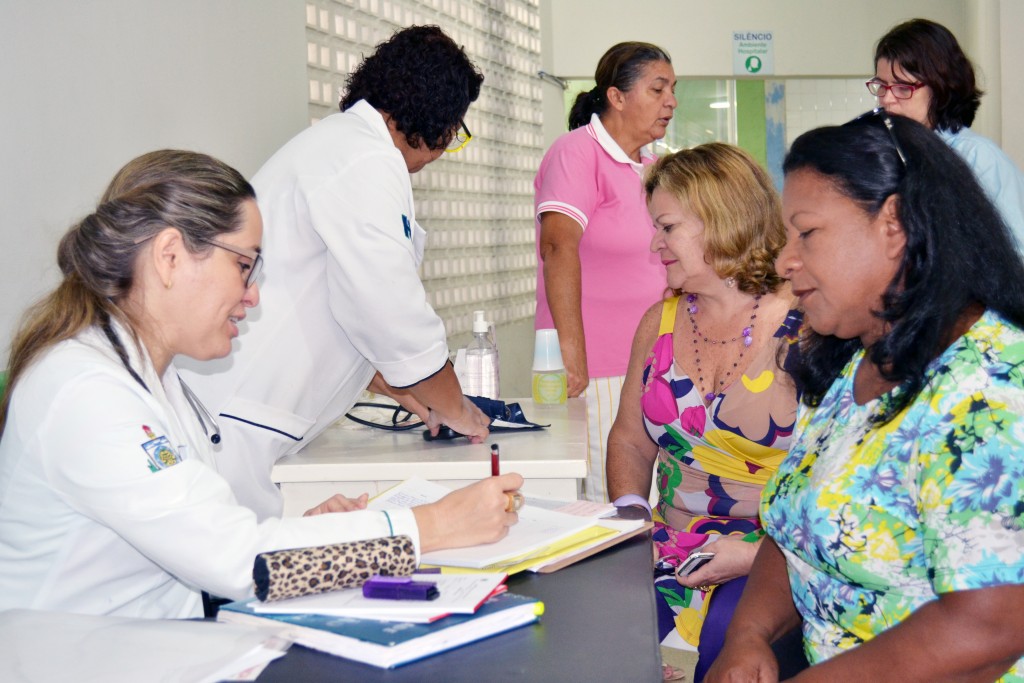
[{"x": 877, "y": 521}]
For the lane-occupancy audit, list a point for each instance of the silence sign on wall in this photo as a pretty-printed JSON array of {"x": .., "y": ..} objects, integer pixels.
[{"x": 753, "y": 53}]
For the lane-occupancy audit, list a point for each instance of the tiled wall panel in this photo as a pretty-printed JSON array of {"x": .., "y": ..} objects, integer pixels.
[{"x": 814, "y": 102}]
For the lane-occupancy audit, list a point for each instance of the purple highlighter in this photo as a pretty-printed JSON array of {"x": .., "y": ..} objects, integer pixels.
[{"x": 399, "y": 588}]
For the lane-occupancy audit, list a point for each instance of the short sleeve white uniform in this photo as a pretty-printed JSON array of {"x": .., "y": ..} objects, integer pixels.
[
  {"x": 109, "y": 503},
  {"x": 341, "y": 296}
]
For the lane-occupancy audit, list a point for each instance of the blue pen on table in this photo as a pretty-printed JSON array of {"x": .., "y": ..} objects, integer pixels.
[{"x": 399, "y": 588}]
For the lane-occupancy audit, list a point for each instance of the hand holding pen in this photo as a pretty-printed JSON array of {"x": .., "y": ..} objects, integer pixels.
[
  {"x": 515, "y": 498},
  {"x": 479, "y": 513}
]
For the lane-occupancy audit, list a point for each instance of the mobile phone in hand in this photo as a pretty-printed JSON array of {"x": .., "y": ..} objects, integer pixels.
[{"x": 693, "y": 562}]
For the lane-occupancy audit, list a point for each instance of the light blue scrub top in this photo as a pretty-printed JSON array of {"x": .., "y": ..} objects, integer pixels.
[{"x": 996, "y": 173}]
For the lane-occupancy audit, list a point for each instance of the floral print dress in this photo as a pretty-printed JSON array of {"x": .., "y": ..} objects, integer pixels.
[
  {"x": 876, "y": 521},
  {"x": 713, "y": 460}
]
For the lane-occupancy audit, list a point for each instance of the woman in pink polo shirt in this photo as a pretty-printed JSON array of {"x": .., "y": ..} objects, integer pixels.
[{"x": 596, "y": 276}]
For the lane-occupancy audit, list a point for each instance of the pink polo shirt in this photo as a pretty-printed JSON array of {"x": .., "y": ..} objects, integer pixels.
[{"x": 586, "y": 176}]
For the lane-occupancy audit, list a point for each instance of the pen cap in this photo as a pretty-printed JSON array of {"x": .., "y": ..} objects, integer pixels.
[{"x": 547, "y": 356}]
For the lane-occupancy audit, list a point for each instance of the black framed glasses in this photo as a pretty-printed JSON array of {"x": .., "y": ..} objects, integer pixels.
[
  {"x": 901, "y": 91},
  {"x": 883, "y": 116},
  {"x": 460, "y": 139},
  {"x": 255, "y": 268}
]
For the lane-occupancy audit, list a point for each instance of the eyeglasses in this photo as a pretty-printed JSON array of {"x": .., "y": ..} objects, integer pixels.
[
  {"x": 882, "y": 115},
  {"x": 460, "y": 139},
  {"x": 901, "y": 91},
  {"x": 255, "y": 268}
]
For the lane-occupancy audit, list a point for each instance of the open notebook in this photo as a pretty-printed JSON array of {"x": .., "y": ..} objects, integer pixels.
[{"x": 543, "y": 540}]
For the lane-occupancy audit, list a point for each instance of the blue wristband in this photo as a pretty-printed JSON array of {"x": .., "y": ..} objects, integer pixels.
[{"x": 632, "y": 499}]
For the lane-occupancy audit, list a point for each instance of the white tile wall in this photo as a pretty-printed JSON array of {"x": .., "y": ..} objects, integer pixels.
[
  {"x": 476, "y": 205},
  {"x": 814, "y": 102}
]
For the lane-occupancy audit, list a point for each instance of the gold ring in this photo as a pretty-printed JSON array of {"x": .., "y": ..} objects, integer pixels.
[
  {"x": 705, "y": 588},
  {"x": 515, "y": 501}
]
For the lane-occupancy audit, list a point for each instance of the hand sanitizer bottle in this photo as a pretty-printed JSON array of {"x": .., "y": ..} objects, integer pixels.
[{"x": 481, "y": 361}]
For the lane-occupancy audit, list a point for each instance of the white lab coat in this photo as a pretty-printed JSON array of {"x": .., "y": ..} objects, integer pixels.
[
  {"x": 341, "y": 296},
  {"x": 87, "y": 525}
]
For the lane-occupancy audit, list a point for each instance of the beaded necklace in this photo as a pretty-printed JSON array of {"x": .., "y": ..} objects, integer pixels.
[{"x": 747, "y": 335}]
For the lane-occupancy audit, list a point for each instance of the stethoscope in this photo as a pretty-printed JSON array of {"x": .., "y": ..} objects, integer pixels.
[{"x": 204, "y": 416}]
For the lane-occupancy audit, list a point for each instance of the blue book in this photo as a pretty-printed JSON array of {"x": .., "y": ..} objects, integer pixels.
[{"x": 388, "y": 644}]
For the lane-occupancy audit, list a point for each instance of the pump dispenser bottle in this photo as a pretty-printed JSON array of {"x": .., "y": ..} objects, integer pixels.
[{"x": 481, "y": 361}]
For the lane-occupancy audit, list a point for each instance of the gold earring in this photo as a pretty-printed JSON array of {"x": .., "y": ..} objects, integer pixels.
[{"x": 167, "y": 284}]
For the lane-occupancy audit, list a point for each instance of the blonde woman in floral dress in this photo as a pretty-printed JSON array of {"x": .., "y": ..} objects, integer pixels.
[{"x": 705, "y": 393}]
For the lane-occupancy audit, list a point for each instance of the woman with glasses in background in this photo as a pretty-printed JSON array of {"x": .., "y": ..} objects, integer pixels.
[
  {"x": 344, "y": 307},
  {"x": 110, "y": 502},
  {"x": 895, "y": 523},
  {"x": 595, "y": 275},
  {"x": 922, "y": 73}
]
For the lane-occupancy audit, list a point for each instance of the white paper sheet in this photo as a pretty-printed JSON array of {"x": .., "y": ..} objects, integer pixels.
[{"x": 40, "y": 646}]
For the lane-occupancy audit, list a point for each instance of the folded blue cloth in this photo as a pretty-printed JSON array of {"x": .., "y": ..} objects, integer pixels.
[{"x": 504, "y": 416}]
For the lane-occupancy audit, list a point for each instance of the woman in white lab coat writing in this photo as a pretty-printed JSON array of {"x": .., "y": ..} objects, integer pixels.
[{"x": 109, "y": 502}]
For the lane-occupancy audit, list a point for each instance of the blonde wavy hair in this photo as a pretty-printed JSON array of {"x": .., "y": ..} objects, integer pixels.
[{"x": 735, "y": 199}]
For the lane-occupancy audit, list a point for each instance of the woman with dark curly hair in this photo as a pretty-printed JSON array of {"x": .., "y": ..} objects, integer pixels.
[
  {"x": 345, "y": 308},
  {"x": 922, "y": 73},
  {"x": 896, "y": 527}
]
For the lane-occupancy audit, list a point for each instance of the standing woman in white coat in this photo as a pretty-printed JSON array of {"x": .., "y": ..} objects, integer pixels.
[
  {"x": 343, "y": 304},
  {"x": 109, "y": 499}
]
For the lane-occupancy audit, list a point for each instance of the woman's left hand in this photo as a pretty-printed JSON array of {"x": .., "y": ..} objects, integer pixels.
[
  {"x": 733, "y": 558},
  {"x": 338, "y": 503},
  {"x": 472, "y": 423}
]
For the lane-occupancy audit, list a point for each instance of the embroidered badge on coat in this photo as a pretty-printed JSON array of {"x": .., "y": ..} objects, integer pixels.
[
  {"x": 159, "y": 451},
  {"x": 406, "y": 226}
]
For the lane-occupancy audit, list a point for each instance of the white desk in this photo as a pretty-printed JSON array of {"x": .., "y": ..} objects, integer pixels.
[{"x": 351, "y": 459}]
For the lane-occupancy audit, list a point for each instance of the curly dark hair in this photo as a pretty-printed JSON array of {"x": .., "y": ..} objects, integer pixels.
[
  {"x": 420, "y": 78},
  {"x": 931, "y": 53},
  {"x": 959, "y": 253}
]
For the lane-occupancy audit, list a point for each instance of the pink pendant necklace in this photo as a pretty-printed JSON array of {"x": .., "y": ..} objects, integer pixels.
[{"x": 747, "y": 335}]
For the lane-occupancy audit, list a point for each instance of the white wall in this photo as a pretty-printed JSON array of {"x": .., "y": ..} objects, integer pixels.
[
  {"x": 813, "y": 38},
  {"x": 86, "y": 85},
  {"x": 1011, "y": 19}
]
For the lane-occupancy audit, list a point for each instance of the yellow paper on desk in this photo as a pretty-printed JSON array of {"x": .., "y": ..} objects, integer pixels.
[
  {"x": 543, "y": 540},
  {"x": 537, "y": 529},
  {"x": 563, "y": 553},
  {"x": 541, "y": 556}
]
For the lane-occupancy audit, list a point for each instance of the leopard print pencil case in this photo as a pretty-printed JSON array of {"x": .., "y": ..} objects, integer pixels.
[{"x": 305, "y": 571}]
